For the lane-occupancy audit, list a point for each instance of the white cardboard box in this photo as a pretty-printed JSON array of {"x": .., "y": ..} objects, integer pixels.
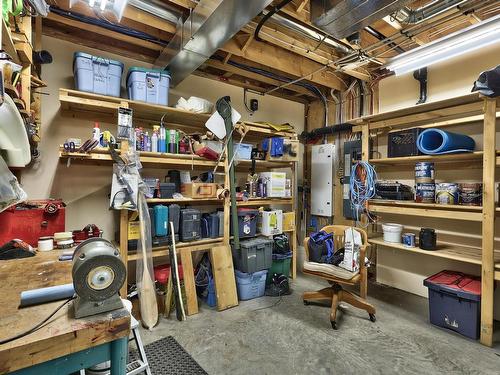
[
  {"x": 271, "y": 222},
  {"x": 275, "y": 184}
]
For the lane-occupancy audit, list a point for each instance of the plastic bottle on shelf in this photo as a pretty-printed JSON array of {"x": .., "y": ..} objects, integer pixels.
[
  {"x": 154, "y": 142},
  {"x": 147, "y": 142},
  {"x": 162, "y": 139},
  {"x": 96, "y": 132}
]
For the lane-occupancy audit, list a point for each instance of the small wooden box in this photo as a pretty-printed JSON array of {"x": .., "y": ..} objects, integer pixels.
[
  {"x": 199, "y": 190},
  {"x": 290, "y": 151},
  {"x": 288, "y": 221}
]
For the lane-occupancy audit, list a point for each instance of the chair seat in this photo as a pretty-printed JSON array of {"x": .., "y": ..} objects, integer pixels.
[{"x": 329, "y": 270}]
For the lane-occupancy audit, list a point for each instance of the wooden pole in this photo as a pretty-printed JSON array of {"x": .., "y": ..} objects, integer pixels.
[{"x": 488, "y": 229}]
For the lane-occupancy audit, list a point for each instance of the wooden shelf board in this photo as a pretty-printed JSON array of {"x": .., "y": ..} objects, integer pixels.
[
  {"x": 454, "y": 108},
  {"x": 158, "y": 160},
  {"x": 8, "y": 43},
  {"x": 94, "y": 104},
  {"x": 263, "y": 164},
  {"x": 186, "y": 200},
  {"x": 265, "y": 202},
  {"x": 74, "y": 100},
  {"x": 455, "y": 212},
  {"x": 162, "y": 251},
  {"x": 450, "y": 158},
  {"x": 445, "y": 250}
]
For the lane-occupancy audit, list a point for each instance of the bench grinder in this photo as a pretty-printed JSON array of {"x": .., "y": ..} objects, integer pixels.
[{"x": 98, "y": 274}]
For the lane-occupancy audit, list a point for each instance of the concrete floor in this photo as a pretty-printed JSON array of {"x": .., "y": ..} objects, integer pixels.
[{"x": 291, "y": 338}]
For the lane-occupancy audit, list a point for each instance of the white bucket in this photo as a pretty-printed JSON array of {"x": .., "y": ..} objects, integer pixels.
[{"x": 392, "y": 232}]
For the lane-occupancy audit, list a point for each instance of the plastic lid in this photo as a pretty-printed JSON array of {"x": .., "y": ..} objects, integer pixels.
[
  {"x": 464, "y": 285},
  {"x": 148, "y": 70},
  {"x": 89, "y": 56}
]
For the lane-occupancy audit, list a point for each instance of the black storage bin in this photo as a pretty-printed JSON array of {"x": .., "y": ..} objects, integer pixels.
[
  {"x": 174, "y": 213},
  {"x": 255, "y": 254},
  {"x": 455, "y": 302},
  {"x": 167, "y": 190},
  {"x": 403, "y": 143},
  {"x": 247, "y": 223},
  {"x": 189, "y": 225}
]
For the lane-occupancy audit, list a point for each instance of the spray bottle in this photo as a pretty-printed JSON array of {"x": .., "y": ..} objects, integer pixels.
[{"x": 96, "y": 132}]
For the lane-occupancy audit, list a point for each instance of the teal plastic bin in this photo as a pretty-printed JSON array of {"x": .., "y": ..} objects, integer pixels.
[
  {"x": 97, "y": 74},
  {"x": 250, "y": 285},
  {"x": 148, "y": 85}
]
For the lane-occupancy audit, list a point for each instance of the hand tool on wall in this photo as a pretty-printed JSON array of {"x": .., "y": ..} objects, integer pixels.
[{"x": 174, "y": 274}]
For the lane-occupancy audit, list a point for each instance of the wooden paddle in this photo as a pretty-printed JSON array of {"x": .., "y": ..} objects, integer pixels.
[{"x": 147, "y": 292}]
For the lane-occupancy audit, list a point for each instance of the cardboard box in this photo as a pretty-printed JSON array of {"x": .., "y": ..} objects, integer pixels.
[
  {"x": 199, "y": 190},
  {"x": 271, "y": 222},
  {"x": 288, "y": 221},
  {"x": 275, "y": 184},
  {"x": 290, "y": 151},
  {"x": 134, "y": 230}
]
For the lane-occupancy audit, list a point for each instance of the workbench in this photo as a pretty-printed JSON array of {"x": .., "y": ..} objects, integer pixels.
[{"x": 64, "y": 344}]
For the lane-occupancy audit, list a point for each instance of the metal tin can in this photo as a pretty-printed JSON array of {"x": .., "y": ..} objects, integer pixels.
[
  {"x": 425, "y": 193},
  {"x": 424, "y": 172},
  {"x": 447, "y": 193},
  {"x": 409, "y": 239},
  {"x": 470, "y": 194}
]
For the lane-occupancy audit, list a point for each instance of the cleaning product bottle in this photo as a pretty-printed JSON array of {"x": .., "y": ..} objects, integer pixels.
[
  {"x": 154, "y": 142},
  {"x": 147, "y": 142},
  {"x": 162, "y": 139},
  {"x": 96, "y": 132}
]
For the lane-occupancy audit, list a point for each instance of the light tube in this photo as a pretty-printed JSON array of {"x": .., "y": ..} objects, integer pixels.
[
  {"x": 103, "y": 4},
  {"x": 472, "y": 38}
]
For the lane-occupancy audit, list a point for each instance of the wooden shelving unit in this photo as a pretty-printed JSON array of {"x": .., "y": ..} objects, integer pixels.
[
  {"x": 81, "y": 104},
  {"x": 459, "y": 110}
]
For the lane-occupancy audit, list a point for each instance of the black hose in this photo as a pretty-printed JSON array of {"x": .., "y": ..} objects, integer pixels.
[
  {"x": 264, "y": 19},
  {"x": 326, "y": 130}
]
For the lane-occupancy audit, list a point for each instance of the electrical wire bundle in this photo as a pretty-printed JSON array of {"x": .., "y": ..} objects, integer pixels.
[{"x": 362, "y": 188}]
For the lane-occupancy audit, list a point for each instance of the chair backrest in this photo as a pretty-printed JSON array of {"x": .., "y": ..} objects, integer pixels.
[{"x": 338, "y": 236}]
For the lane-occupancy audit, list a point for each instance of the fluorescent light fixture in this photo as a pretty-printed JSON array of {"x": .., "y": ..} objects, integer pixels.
[
  {"x": 458, "y": 43},
  {"x": 116, "y": 6}
]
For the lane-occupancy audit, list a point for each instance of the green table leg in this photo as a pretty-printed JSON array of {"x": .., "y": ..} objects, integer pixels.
[{"x": 119, "y": 352}]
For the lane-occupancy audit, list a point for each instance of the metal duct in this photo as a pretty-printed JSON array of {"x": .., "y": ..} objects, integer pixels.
[
  {"x": 211, "y": 24},
  {"x": 342, "y": 18},
  {"x": 415, "y": 16},
  {"x": 157, "y": 9}
]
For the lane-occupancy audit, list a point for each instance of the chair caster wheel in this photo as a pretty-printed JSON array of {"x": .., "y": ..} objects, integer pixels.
[
  {"x": 334, "y": 324},
  {"x": 306, "y": 303},
  {"x": 373, "y": 318}
]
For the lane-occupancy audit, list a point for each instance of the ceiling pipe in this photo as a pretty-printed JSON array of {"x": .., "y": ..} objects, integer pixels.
[
  {"x": 382, "y": 37},
  {"x": 414, "y": 16},
  {"x": 157, "y": 9},
  {"x": 310, "y": 33}
]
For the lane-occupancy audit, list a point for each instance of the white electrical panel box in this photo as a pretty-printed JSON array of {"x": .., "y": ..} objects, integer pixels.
[{"x": 322, "y": 180}]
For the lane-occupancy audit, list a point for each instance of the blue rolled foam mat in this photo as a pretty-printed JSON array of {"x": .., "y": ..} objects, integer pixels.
[
  {"x": 437, "y": 141},
  {"x": 49, "y": 294}
]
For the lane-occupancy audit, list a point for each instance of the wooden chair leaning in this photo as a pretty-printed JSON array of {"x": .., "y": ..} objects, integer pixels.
[{"x": 337, "y": 277}]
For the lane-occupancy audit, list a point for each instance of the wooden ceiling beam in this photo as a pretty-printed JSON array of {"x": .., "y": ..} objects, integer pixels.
[
  {"x": 285, "y": 61},
  {"x": 248, "y": 85},
  {"x": 255, "y": 76}
]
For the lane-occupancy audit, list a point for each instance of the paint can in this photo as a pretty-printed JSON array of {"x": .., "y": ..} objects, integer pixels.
[
  {"x": 425, "y": 193},
  {"x": 424, "y": 172},
  {"x": 409, "y": 239},
  {"x": 470, "y": 194},
  {"x": 447, "y": 193}
]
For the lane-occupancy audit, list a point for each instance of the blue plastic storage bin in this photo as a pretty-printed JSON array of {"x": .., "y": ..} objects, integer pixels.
[
  {"x": 243, "y": 151},
  {"x": 455, "y": 302},
  {"x": 148, "y": 85},
  {"x": 250, "y": 285},
  {"x": 97, "y": 74}
]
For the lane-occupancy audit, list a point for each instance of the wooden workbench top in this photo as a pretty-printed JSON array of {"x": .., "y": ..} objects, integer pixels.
[{"x": 63, "y": 334}]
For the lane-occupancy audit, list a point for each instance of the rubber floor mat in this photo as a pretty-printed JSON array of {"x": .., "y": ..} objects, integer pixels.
[{"x": 167, "y": 357}]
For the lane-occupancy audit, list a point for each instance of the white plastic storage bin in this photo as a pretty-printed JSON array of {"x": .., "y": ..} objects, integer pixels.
[
  {"x": 275, "y": 184},
  {"x": 250, "y": 285},
  {"x": 97, "y": 74},
  {"x": 243, "y": 151},
  {"x": 271, "y": 222},
  {"x": 148, "y": 85}
]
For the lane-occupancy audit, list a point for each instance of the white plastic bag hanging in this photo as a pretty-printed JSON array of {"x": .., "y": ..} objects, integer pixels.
[{"x": 11, "y": 192}]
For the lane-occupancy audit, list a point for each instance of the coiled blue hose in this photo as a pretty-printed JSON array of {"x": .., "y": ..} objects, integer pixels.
[{"x": 362, "y": 187}]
